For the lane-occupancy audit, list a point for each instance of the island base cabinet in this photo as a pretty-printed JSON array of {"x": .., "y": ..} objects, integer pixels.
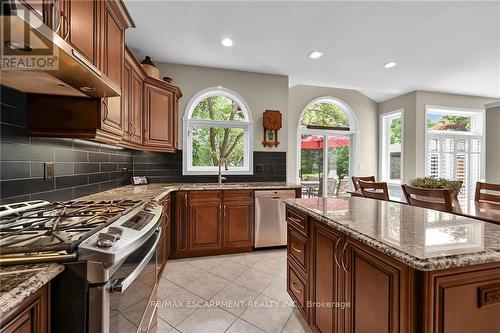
[
  {"x": 462, "y": 300},
  {"x": 378, "y": 289}
]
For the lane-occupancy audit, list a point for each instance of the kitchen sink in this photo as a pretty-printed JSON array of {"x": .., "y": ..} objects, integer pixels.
[{"x": 220, "y": 185}]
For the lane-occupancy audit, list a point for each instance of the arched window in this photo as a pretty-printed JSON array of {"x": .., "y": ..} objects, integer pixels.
[
  {"x": 218, "y": 125},
  {"x": 327, "y": 135}
]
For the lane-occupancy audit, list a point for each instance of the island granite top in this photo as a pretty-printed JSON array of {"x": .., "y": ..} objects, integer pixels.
[
  {"x": 422, "y": 238},
  {"x": 158, "y": 190},
  {"x": 20, "y": 281}
]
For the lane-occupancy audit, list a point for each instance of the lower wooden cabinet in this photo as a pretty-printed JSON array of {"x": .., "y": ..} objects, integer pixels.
[
  {"x": 32, "y": 315},
  {"x": 212, "y": 222},
  {"x": 163, "y": 250}
]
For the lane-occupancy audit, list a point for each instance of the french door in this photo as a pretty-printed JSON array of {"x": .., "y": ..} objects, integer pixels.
[{"x": 325, "y": 162}]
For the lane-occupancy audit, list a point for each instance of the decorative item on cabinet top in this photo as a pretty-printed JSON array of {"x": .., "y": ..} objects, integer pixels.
[
  {"x": 271, "y": 121},
  {"x": 149, "y": 68}
]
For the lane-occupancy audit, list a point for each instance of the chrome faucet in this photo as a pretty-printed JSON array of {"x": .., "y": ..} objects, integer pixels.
[{"x": 222, "y": 161}]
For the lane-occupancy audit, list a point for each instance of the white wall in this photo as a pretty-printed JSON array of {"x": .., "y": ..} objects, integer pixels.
[
  {"x": 493, "y": 143},
  {"x": 365, "y": 110},
  {"x": 260, "y": 91}
]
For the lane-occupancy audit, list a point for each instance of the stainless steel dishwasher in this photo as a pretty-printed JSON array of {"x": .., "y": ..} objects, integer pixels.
[{"x": 270, "y": 221}]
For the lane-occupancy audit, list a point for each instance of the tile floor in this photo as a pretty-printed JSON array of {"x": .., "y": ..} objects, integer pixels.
[{"x": 236, "y": 293}]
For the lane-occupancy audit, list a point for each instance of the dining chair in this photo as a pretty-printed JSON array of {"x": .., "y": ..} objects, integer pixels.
[
  {"x": 364, "y": 178},
  {"x": 374, "y": 190},
  {"x": 488, "y": 196},
  {"x": 438, "y": 199}
]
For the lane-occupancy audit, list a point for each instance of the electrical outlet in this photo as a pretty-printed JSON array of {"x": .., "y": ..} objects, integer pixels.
[{"x": 48, "y": 173}]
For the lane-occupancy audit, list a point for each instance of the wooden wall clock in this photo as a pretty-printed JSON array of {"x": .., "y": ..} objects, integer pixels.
[{"x": 271, "y": 121}]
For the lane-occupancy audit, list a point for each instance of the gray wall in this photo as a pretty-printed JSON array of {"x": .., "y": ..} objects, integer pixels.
[
  {"x": 260, "y": 91},
  {"x": 366, "y": 113},
  {"x": 414, "y": 104},
  {"x": 493, "y": 143}
]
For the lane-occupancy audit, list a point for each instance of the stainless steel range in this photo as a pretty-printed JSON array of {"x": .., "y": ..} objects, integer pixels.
[{"x": 109, "y": 250}]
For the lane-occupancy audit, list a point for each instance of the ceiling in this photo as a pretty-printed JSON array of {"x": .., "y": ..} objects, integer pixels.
[{"x": 439, "y": 46}]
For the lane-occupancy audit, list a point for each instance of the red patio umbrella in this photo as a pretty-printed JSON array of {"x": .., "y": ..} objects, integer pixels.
[{"x": 315, "y": 141}]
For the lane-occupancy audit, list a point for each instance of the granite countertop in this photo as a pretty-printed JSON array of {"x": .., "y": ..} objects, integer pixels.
[
  {"x": 422, "y": 238},
  {"x": 158, "y": 190},
  {"x": 18, "y": 282}
]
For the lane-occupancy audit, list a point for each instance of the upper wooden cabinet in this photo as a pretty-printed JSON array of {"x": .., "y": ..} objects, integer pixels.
[
  {"x": 132, "y": 102},
  {"x": 78, "y": 24},
  {"x": 160, "y": 115}
]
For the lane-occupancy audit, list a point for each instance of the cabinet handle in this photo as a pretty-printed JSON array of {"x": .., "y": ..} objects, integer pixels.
[
  {"x": 55, "y": 11},
  {"x": 344, "y": 266},
  {"x": 335, "y": 252},
  {"x": 295, "y": 249},
  {"x": 186, "y": 200},
  {"x": 295, "y": 289},
  {"x": 65, "y": 19},
  {"x": 106, "y": 111}
]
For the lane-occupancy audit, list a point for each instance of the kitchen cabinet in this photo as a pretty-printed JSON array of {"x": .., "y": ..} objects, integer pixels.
[
  {"x": 132, "y": 99},
  {"x": 163, "y": 250},
  {"x": 212, "y": 222},
  {"x": 112, "y": 28},
  {"x": 372, "y": 289},
  {"x": 204, "y": 221},
  {"x": 160, "y": 115},
  {"x": 238, "y": 217},
  {"x": 32, "y": 315}
]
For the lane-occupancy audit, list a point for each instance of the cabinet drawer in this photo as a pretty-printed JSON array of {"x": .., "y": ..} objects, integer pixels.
[
  {"x": 243, "y": 195},
  {"x": 205, "y": 196},
  {"x": 297, "y": 248},
  {"x": 297, "y": 289},
  {"x": 297, "y": 219}
]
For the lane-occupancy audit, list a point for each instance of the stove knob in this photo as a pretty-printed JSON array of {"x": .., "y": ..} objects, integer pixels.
[
  {"x": 105, "y": 239},
  {"x": 115, "y": 231},
  {"x": 150, "y": 205}
]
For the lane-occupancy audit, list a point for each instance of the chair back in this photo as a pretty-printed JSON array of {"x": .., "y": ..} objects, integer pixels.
[
  {"x": 374, "y": 190},
  {"x": 488, "y": 197},
  {"x": 438, "y": 199},
  {"x": 364, "y": 178}
]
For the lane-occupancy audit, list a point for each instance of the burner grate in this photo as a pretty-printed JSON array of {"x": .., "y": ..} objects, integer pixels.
[{"x": 60, "y": 226}]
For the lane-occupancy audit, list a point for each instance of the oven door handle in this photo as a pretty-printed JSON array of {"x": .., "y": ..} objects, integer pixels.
[{"x": 120, "y": 285}]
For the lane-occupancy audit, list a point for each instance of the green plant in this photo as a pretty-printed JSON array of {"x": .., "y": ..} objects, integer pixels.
[{"x": 436, "y": 183}]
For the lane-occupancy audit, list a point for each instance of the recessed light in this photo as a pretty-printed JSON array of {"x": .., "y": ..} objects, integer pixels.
[
  {"x": 315, "y": 55},
  {"x": 390, "y": 64},
  {"x": 227, "y": 42}
]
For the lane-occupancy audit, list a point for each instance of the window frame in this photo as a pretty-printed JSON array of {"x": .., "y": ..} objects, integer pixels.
[
  {"x": 384, "y": 159},
  {"x": 352, "y": 133},
  {"x": 481, "y": 135},
  {"x": 189, "y": 124}
]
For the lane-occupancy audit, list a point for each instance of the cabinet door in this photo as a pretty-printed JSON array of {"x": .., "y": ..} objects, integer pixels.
[
  {"x": 205, "y": 226},
  {"x": 377, "y": 288},
  {"x": 113, "y": 65},
  {"x": 79, "y": 27},
  {"x": 238, "y": 224},
  {"x": 135, "y": 108},
  {"x": 167, "y": 228},
  {"x": 159, "y": 117},
  {"x": 180, "y": 229},
  {"x": 325, "y": 278}
]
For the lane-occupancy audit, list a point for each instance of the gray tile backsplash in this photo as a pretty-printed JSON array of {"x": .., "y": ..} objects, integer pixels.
[
  {"x": 85, "y": 167},
  {"x": 80, "y": 167}
]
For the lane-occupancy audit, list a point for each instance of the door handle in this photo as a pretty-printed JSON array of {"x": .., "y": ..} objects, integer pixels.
[
  {"x": 295, "y": 289},
  {"x": 344, "y": 265},
  {"x": 120, "y": 285},
  {"x": 295, "y": 249},
  {"x": 106, "y": 111},
  {"x": 335, "y": 252}
]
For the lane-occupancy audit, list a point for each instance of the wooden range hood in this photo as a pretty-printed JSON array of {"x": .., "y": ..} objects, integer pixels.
[{"x": 73, "y": 76}]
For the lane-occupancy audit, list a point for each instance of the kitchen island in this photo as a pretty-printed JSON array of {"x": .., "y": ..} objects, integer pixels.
[{"x": 363, "y": 265}]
